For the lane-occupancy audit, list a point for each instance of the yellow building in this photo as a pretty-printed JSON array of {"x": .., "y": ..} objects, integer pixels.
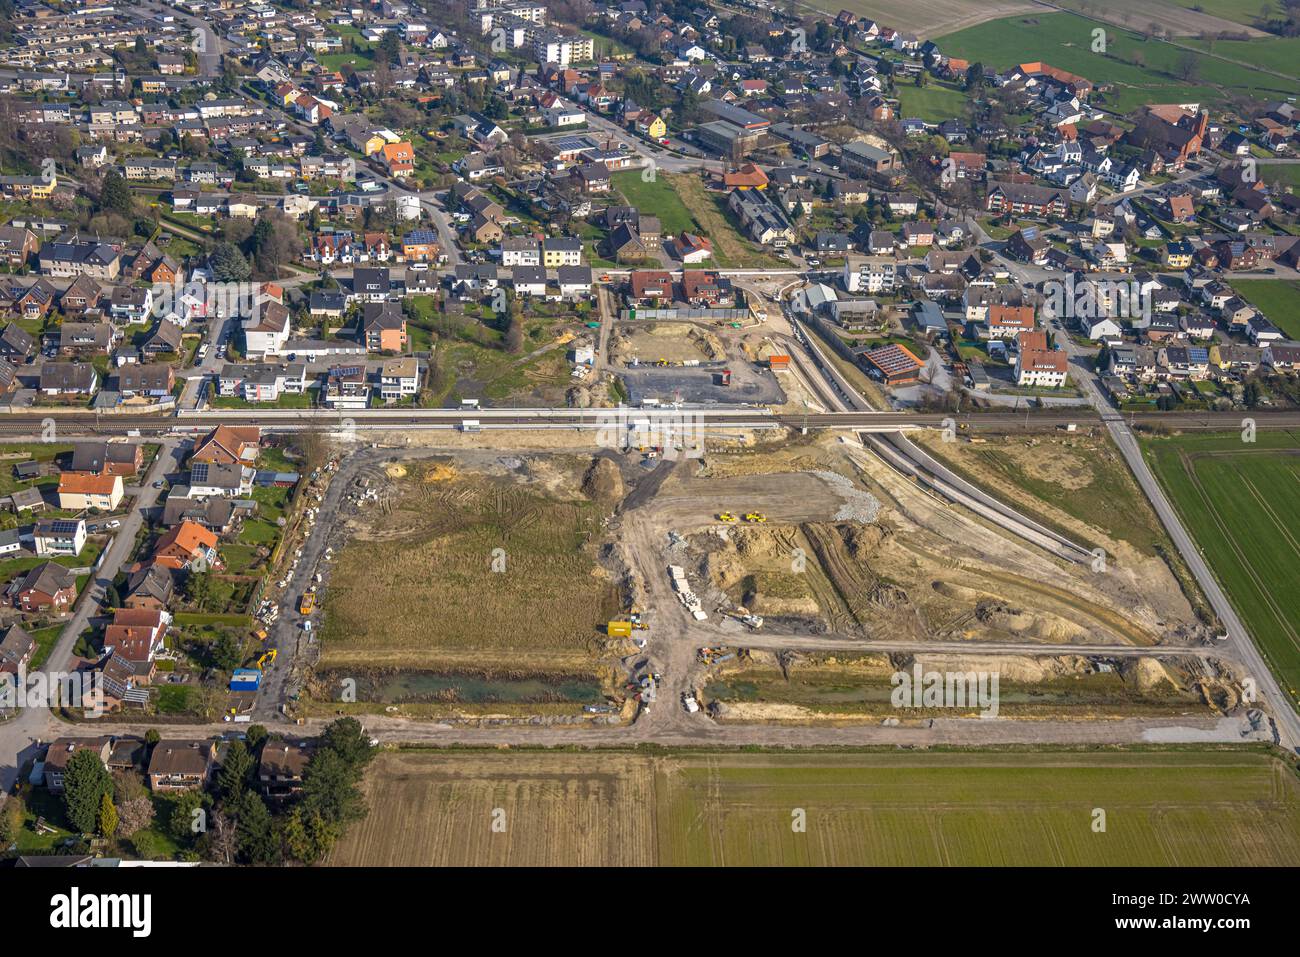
[
  {"x": 1178, "y": 255},
  {"x": 656, "y": 128}
]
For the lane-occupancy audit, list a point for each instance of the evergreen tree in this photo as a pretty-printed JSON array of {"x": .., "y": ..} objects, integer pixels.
[
  {"x": 229, "y": 264},
  {"x": 107, "y": 816},
  {"x": 85, "y": 782},
  {"x": 115, "y": 194},
  {"x": 235, "y": 771},
  {"x": 256, "y": 839}
]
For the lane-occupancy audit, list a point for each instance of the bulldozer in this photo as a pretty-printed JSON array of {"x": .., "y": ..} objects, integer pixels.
[
  {"x": 756, "y": 517},
  {"x": 726, "y": 517}
]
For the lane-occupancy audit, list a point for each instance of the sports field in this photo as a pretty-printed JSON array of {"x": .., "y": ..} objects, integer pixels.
[
  {"x": 1142, "y": 71},
  {"x": 1219, "y": 808},
  {"x": 1241, "y": 502}
]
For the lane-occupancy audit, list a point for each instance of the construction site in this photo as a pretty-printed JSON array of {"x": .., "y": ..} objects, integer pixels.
[{"x": 758, "y": 578}]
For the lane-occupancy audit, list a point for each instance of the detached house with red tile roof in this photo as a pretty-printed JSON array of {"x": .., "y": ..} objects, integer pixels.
[
  {"x": 228, "y": 445},
  {"x": 83, "y": 490},
  {"x": 399, "y": 158},
  {"x": 187, "y": 545},
  {"x": 47, "y": 587},
  {"x": 1036, "y": 364}
]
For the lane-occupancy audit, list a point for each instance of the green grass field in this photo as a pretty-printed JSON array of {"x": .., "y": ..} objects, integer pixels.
[
  {"x": 656, "y": 198},
  {"x": 1241, "y": 502},
  {"x": 1277, "y": 299},
  {"x": 1283, "y": 174},
  {"x": 1280, "y": 54},
  {"x": 1065, "y": 41},
  {"x": 934, "y": 103},
  {"x": 1238, "y": 11},
  {"x": 1201, "y": 807}
]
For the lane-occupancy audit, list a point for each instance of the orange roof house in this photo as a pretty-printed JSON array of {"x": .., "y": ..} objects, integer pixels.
[
  {"x": 748, "y": 176},
  {"x": 1006, "y": 322},
  {"x": 1182, "y": 208},
  {"x": 79, "y": 490},
  {"x": 228, "y": 445},
  {"x": 399, "y": 158},
  {"x": 186, "y": 544},
  {"x": 1080, "y": 85},
  {"x": 136, "y": 633}
]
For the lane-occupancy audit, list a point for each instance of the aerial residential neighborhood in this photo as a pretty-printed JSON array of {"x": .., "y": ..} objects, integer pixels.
[{"x": 611, "y": 433}]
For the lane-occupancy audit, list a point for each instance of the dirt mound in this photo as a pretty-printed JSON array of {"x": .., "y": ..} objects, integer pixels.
[
  {"x": 438, "y": 472},
  {"x": 754, "y": 543},
  {"x": 1011, "y": 668},
  {"x": 603, "y": 482},
  {"x": 395, "y": 471},
  {"x": 1148, "y": 673},
  {"x": 708, "y": 343},
  {"x": 863, "y": 541},
  {"x": 725, "y": 569}
]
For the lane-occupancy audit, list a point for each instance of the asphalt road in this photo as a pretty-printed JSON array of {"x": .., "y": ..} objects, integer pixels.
[{"x": 20, "y": 735}]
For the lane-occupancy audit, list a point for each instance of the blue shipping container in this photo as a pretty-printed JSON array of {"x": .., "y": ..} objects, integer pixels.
[{"x": 245, "y": 679}]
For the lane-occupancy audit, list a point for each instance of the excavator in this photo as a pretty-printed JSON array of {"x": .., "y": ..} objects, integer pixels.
[{"x": 268, "y": 658}]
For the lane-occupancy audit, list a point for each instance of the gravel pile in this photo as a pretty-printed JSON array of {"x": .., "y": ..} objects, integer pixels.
[{"x": 858, "y": 505}]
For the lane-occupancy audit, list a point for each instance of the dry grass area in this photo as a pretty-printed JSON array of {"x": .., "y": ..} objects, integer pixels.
[
  {"x": 573, "y": 810},
  {"x": 1078, "y": 484},
  {"x": 1208, "y": 807},
  {"x": 929, "y": 19},
  {"x": 730, "y": 248},
  {"x": 416, "y": 585}
]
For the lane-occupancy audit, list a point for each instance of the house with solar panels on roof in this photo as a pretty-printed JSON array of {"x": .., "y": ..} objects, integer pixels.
[
  {"x": 346, "y": 387},
  {"x": 59, "y": 536}
]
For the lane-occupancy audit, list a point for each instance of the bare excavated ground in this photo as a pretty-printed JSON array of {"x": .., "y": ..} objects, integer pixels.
[
  {"x": 818, "y": 688},
  {"x": 672, "y": 342},
  {"x": 851, "y": 548}
]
